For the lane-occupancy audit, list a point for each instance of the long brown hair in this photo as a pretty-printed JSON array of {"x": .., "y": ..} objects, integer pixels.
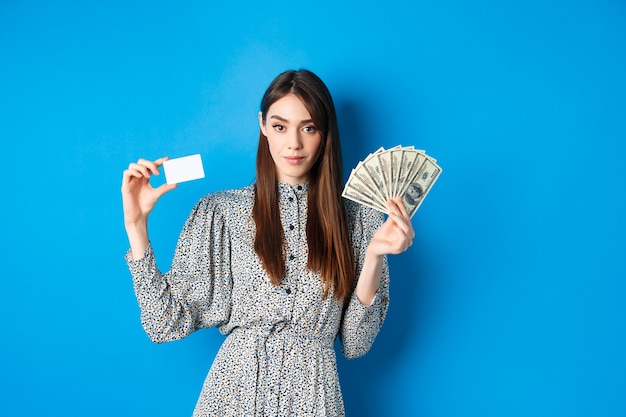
[{"x": 330, "y": 251}]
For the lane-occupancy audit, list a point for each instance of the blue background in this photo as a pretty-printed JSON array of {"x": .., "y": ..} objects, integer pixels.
[{"x": 511, "y": 301}]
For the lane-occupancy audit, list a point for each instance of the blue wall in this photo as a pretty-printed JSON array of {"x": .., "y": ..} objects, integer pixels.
[{"x": 510, "y": 303}]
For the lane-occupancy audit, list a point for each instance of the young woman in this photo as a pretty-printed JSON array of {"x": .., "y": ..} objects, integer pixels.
[{"x": 281, "y": 266}]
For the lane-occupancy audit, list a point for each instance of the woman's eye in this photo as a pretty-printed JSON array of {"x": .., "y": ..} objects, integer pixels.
[
  {"x": 279, "y": 128},
  {"x": 310, "y": 129}
]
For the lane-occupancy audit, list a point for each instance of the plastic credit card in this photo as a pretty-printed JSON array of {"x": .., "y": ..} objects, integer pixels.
[{"x": 183, "y": 169}]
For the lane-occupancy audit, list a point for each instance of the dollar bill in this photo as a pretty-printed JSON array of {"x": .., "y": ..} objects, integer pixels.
[
  {"x": 420, "y": 185},
  {"x": 373, "y": 169},
  {"x": 412, "y": 160},
  {"x": 395, "y": 159},
  {"x": 385, "y": 172}
]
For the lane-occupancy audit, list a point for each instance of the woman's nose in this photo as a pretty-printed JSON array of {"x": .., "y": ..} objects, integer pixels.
[{"x": 295, "y": 141}]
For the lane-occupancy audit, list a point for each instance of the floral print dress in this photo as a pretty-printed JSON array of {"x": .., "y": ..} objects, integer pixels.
[{"x": 278, "y": 357}]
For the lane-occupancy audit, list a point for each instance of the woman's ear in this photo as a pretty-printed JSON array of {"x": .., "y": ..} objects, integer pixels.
[{"x": 262, "y": 124}]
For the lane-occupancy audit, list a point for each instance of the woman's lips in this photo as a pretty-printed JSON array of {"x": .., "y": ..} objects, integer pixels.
[{"x": 294, "y": 160}]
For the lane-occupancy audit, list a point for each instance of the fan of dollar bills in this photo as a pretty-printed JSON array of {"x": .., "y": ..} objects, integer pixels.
[{"x": 388, "y": 173}]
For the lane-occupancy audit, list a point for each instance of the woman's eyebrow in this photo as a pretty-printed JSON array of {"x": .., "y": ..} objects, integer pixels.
[{"x": 282, "y": 119}]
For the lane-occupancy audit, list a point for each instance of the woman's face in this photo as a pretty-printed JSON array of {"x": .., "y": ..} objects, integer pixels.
[{"x": 293, "y": 139}]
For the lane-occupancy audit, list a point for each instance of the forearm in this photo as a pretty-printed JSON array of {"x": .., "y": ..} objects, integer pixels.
[
  {"x": 137, "y": 237},
  {"x": 367, "y": 308},
  {"x": 369, "y": 279},
  {"x": 164, "y": 316}
]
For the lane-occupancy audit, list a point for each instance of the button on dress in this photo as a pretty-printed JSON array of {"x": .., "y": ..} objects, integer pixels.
[{"x": 278, "y": 358}]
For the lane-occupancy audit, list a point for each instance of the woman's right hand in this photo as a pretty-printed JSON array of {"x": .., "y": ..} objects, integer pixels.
[
  {"x": 138, "y": 199},
  {"x": 138, "y": 195}
]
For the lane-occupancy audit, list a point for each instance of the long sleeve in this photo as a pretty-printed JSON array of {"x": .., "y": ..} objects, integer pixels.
[
  {"x": 361, "y": 324},
  {"x": 196, "y": 292}
]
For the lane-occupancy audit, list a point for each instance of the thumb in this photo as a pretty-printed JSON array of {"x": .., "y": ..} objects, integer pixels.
[{"x": 165, "y": 188}]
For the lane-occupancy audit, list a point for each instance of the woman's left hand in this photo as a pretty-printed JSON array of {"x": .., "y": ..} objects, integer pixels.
[
  {"x": 396, "y": 234},
  {"x": 393, "y": 237}
]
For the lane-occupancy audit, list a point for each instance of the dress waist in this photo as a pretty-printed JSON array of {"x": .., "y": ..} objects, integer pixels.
[{"x": 282, "y": 330}]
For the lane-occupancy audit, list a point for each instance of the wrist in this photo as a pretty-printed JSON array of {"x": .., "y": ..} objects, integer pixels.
[
  {"x": 371, "y": 252},
  {"x": 137, "y": 233},
  {"x": 139, "y": 226}
]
